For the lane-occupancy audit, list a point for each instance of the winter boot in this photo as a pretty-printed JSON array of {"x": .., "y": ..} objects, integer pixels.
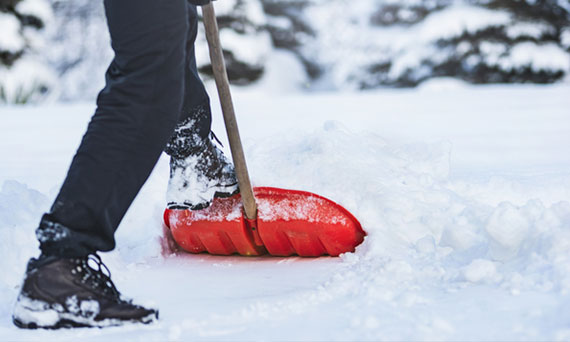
[
  {"x": 200, "y": 176},
  {"x": 63, "y": 293}
]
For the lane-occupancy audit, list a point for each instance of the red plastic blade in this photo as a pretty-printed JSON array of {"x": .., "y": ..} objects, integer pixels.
[{"x": 289, "y": 222}]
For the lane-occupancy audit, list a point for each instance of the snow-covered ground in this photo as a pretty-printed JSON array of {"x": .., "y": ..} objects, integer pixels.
[{"x": 464, "y": 192}]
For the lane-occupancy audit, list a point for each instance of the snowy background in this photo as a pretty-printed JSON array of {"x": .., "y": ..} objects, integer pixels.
[
  {"x": 463, "y": 188},
  {"x": 59, "y": 49}
]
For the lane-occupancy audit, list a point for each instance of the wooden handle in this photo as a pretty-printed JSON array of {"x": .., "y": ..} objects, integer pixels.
[{"x": 223, "y": 85}]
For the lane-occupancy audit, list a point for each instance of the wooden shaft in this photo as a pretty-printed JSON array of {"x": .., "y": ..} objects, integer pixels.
[{"x": 223, "y": 85}]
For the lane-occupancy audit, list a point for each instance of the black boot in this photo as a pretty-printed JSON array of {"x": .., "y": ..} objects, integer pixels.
[
  {"x": 196, "y": 179},
  {"x": 68, "y": 292},
  {"x": 199, "y": 171}
]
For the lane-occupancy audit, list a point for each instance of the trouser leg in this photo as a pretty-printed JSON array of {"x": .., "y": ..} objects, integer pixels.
[
  {"x": 195, "y": 118},
  {"x": 136, "y": 114}
]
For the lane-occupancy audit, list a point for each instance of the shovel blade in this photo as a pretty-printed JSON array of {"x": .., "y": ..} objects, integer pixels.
[{"x": 289, "y": 222}]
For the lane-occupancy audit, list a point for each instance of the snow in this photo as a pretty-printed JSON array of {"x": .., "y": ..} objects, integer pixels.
[
  {"x": 508, "y": 228},
  {"x": 464, "y": 192},
  {"x": 548, "y": 57},
  {"x": 251, "y": 49},
  {"x": 529, "y": 29},
  {"x": 481, "y": 270},
  {"x": 38, "y": 8},
  {"x": 354, "y": 45},
  {"x": 79, "y": 48},
  {"x": 565, "y": 38},
  {"x": 283, "y": 74},
  {"x": 246, "y": 40},
  {"x": 35, "y": 311},
  {"x": 24, "y": 76},
  {"x": 458, "y": 19},
  {"x": 40, "y": 309},
  {"x": 358, "y": 52},
  {"x": 295, "y": 207},
  {"x": 190, "y": 187},
  {"x": 10, "y": 39},
  {"x": 338, "y": 41},
  {"x": 27, "y": 81},
  {"x": 225, "y": 7}
]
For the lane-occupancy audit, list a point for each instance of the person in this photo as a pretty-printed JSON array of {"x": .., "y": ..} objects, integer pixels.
[{"x": 153, "y": 100}]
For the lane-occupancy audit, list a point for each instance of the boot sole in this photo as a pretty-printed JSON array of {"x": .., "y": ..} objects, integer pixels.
[
  {"x": 221, "y": 192},
  {"x": 65, "y": 323},
  {"x": 69, "y": 320}
]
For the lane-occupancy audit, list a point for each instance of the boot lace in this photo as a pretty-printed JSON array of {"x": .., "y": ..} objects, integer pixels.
[
  {"x": 98, "y": 277},
  {"x": 215, "y": 138}
]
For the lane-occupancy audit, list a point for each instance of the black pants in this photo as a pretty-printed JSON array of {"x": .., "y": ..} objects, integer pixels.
[{"x": 151, "y": 86}]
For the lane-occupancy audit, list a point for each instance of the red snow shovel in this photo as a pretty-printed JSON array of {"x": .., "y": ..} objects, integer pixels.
[{"x": 259, "y": 220}]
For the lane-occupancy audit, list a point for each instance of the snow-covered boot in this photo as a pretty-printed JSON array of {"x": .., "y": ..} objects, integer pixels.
[
  {"x": 199, "y": 176},
  {"x": 69, "y": 292}
]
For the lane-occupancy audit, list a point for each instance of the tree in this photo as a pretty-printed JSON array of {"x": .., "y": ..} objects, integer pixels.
[
  {"x": 401, "y": 43},
  {"x": 23, "y": 75},
  {"x": 80, "y": 46},
  {"x": 246, "y": 41}
]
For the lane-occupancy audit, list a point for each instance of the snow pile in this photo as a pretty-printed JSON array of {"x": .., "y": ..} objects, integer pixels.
[
  {"x": 423, "y": 236},
  {"x": 20, "y": 209},
  {"x": 405, "y": 200},
  {"x": 433, "y": 259}
]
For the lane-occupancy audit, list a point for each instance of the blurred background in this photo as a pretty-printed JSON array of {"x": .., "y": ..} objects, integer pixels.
[{"x": 54, "y": 50}]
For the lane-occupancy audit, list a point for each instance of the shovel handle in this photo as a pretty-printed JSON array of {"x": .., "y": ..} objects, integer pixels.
[{"x": 223, "y": 85}]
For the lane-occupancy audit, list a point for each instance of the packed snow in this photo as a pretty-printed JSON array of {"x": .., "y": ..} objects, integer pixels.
[{"x": 464, "y": 193}]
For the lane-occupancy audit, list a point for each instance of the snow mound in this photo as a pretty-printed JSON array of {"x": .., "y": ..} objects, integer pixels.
[
  {"x": 404, "y": 200},
  {"x": 422, "y": 235},
  {"x": 20, "y": 212}
]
